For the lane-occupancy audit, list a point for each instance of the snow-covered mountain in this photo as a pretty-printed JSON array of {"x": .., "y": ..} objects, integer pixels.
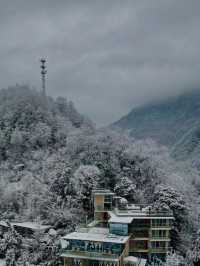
[{"x": 173, "y": 122}]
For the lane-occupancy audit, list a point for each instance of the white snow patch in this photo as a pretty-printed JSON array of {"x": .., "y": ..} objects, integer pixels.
[
  {"x": 2, "y": 262},
  {"x": 32, "y": 225}
]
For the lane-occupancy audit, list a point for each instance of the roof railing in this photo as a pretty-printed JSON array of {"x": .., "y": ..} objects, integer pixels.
[{"x": 142, "y": 211}]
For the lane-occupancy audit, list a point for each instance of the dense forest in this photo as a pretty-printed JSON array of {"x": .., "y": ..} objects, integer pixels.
[{"x": 51, "y": 157}]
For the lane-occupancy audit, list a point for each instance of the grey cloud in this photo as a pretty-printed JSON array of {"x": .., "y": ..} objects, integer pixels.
[{"x": 106, "y": 56}]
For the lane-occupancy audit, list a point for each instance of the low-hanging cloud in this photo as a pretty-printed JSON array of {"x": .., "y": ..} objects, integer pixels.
[{"x": 106, "y": 56}]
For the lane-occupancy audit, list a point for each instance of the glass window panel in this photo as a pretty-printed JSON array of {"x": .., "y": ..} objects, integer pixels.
[{"x": 119, "y": 229}]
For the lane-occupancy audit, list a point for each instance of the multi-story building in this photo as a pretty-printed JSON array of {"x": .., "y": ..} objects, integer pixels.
[{"x": 119, "y": 234}]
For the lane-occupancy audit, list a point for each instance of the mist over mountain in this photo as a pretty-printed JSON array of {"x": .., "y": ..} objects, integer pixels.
[{"x": 173, "y": 122}]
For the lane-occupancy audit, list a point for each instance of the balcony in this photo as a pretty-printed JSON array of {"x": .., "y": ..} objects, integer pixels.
[
  {"x": 139, "y": 227},
  {"x": 89, "y": 255},
  {"x": 139, "y": 250},
  {"x": 100, "y": 208},
  {"x": 139, "y": 234},
  {"x": 160, "y": 226},
  {"x": 160, "y": 213},
  {"x": 159, "y": 238},
  {"x": 139, "y": 211},
  {"x": 159, "y": 250},
  {"x": 138, "y": 245}
]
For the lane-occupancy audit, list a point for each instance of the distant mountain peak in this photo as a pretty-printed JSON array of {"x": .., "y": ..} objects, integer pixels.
[{"x": 165, "y": 121}]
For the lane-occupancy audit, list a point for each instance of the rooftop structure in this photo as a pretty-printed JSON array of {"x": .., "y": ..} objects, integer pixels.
[
  {"x": 98, "y": 236},
  {"x": 120, "y": 234},
  {"x": 24, "y": 228}
]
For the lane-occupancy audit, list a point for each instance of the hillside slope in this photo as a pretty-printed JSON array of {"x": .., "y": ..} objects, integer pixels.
[
  {"x": 51, "y": 157},
  {"x": 30, "y": 121},
  {"x": 167, "y": 121}
]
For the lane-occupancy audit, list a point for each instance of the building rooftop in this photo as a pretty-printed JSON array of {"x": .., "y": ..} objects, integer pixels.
[
  {"x": 4, "y": 224},
  {"x": 29, "y": 225},
  {"x": 130, "y": 260},
  {"x": 32, "y": 225},
  {"x": 97, "y": 234},
  {"x": 136, "y": 212},
  {"x": 102, "y": 192},
  {"x": 114, "y": 218}
]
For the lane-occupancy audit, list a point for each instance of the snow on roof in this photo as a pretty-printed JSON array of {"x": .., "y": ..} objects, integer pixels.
[
  {"x": 99, "y": 230},
  {"x": 102, "y": 192},
  {"x": 142, "y": 262},
  {"x": 3, "y": 223},
  {"x": 134, "y": 261},
  {"x": 131, "y": 259},
  {"x": 119, "y": 219},
  {"x": 32, "y": 225},
  {"x": 137, "y": 213},
  {"x": 97, "y": 237}
]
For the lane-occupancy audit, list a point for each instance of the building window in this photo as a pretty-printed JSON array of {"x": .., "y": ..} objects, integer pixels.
[
  {"x": 91, "y": 246},
  {"x": 138, "y": 244},
  {"x": 107, "y": 206},
  {"x": 140, "y": 223},
  {"x": 158, "y": 244},
  {"x": 160, "y": 222},
  {"x": 159, "y": 233},
  {"x": 108, "y": 198},
  {"x": 119, "y": 229}
]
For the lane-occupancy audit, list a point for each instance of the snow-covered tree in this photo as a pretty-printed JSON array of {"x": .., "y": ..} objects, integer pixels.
[
  {"x": 11, "y": 257},
  {"x": 10, "y": 246},
  {"x": 86, "y": 179},
  {"x": 168, "y": 199},
  {"x": 194, "y": 253},
  {"x": 173, "y": 259},
  {"x": 125, "y": 188},
  {"x": 41, "y": 135}
]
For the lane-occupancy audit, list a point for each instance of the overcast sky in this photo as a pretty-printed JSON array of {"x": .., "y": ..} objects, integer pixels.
[{"x": 107, "y": 56}]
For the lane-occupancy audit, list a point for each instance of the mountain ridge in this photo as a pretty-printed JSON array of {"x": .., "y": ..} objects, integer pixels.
[
  {"x": 173, "y": 122},
  {"x": 145, "y": 121}
]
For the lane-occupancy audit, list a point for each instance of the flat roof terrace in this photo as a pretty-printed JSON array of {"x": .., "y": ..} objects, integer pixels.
[
  {"x": 32, "y": 225},
  {"x": 137, "y": 212},
  {"x": 97, "y": 236},
  {"x": 114, "y": 218},
  {"x": 29, "y": 225},
  {"x": 102, "y": 192},
  {"x": 98, "y": 245}
]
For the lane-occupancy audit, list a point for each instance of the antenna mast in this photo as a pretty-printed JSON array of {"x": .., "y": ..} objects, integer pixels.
[{"x": 43, "y": 73}]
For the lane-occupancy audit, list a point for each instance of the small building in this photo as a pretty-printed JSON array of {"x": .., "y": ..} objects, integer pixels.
[
  {"x": 4, "y": 226},
  {"x": 29, "y": 228},
  {"x": 24, "y": 228},
  {"x": 121, "y": 234}
]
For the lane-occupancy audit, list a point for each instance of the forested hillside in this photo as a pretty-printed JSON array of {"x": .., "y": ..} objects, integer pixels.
[
  {"x": 165, "y": 121},
  {"x": 173, "y": 122},
  {"x": 28, "y": 121},
  {"x": 51, "y": 159}
]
